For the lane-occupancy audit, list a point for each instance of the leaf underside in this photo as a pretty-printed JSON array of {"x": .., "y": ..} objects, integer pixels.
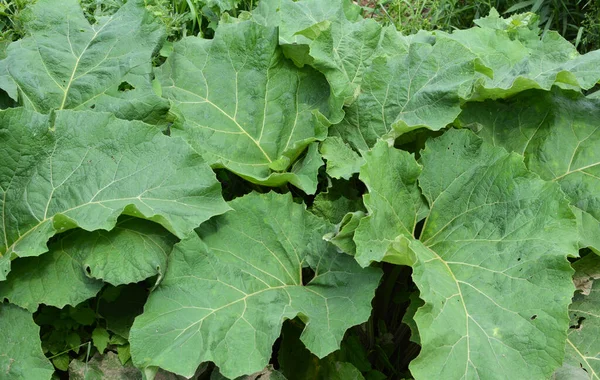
[{"x": 79, "y": 262}]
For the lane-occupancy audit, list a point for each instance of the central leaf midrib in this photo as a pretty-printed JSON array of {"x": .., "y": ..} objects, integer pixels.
[
  {"x": 237, "y": 124},
  {"x": 4, "y": 221},
  {"x": 68, "y": 88},
  {"x": 41, "y": 222},
  {"x": 584, "y": 358},
  {"x": 462, "y": 300},
  {"x": 213, "y": 311}
]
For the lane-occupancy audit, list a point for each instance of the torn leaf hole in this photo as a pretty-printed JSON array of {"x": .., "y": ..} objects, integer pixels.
[
  {"x": 125, "y": 86},
  {"x": 579, "y": 324},
  {"x": 419, "y": 228},
  {"x": 307, "y": 275}
]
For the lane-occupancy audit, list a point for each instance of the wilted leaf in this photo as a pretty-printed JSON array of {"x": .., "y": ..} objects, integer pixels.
[
  {"x": 583, "y": 346},
  {"x": 518, "y": 59},
  {"x": 587, "y": 270},
  {"x": 103, "y": 367},
  {"x": 344, "y": 51},
  {"x": 414, "y": 84},
  {"x": 329, "y": 35},
  {"x": 299, "y": 23}
]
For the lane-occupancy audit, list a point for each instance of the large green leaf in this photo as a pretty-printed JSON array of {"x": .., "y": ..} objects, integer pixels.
[
  {"x": 414, "y": 84},
  {"x": 517, "y": 59},
  {"x": 342, "y": 161},
  {"x": 83, "y": 169},
  {"x": 227, "y": 291},
  {"x": 343, "y": 51},
  {"x": 243, "y": 105},
  {"x": 394, "y": 203},
  {"x": 583, "y": 346},
  {"x": 495, "y": 235},
  {"x": 133, "y": 251},
  {"x": 328, "y": 35},
  {"x": 559, "y": 136},
  {"x": 79, "y": 261},
  {"x": 21, "y": 355},
  {"x": 71, "y": 64},
  {"x": 390, "y": 83}
]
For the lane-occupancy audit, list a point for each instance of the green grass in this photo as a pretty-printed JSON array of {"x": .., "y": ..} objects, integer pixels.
[
  {"x": 195, "y": 17},
  {"x": 577, "y": 20},
  {"x": 10, "y": 23}
]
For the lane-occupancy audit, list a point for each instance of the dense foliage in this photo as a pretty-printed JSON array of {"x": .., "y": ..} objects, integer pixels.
[{"x": 307, "y": 195}]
